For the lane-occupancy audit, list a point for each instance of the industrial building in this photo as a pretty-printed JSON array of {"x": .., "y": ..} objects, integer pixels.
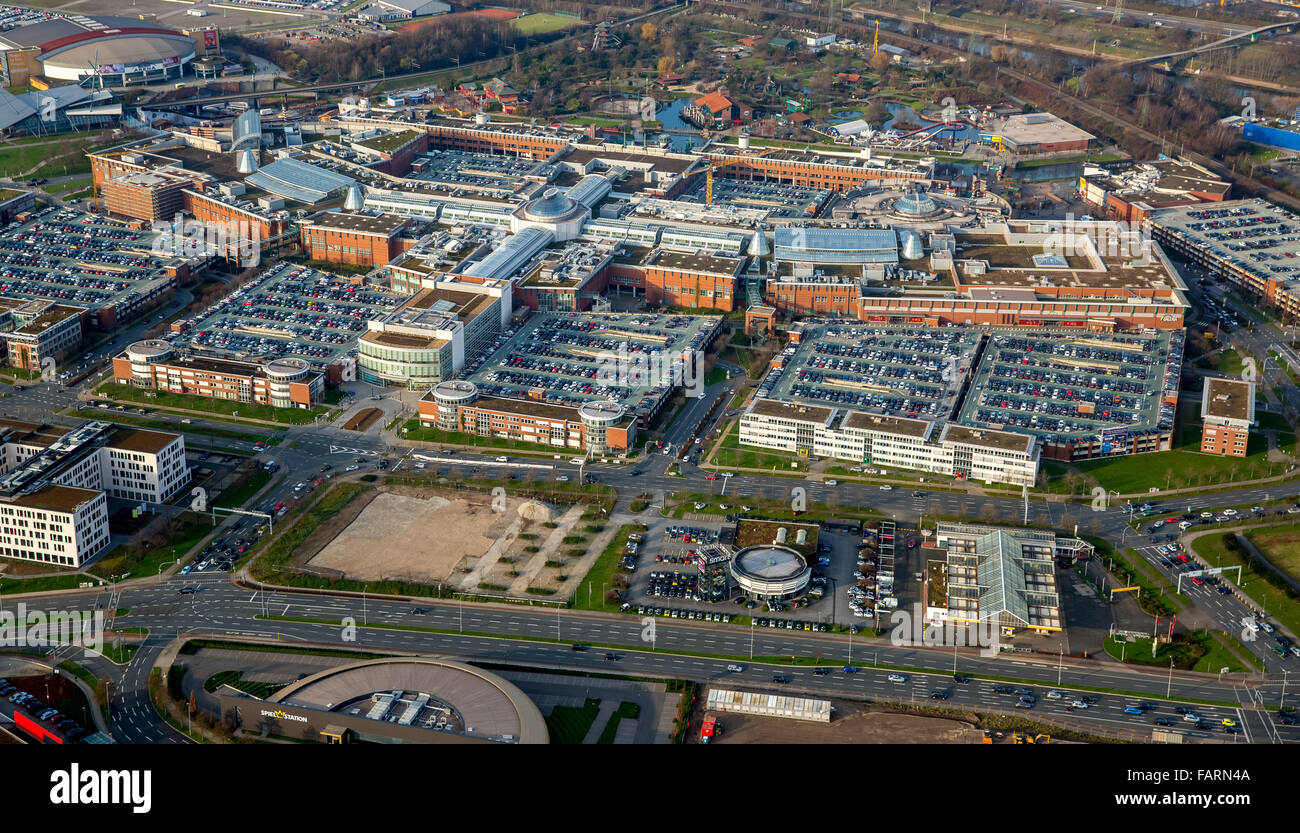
[
  {"x": 55, "y": 482},
  {"x": 353, "y": 239},
  {"x": 1035, "y": 133},
  {"x": 34, "y": 331},
  {"x": 1131, "y": 191},
  {"x": 967, "y": 403},
  {"x": 1095, "y": 276}
]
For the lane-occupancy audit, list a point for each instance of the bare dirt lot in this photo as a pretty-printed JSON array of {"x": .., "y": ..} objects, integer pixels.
[
  {"x": 850, "y": 723},
  {"x": 415, "y": 539}
]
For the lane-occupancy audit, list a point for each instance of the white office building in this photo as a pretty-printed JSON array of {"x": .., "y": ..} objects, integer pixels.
[
  {"x": 55, "y": 482},
  {"x": 891, "y": 442}
]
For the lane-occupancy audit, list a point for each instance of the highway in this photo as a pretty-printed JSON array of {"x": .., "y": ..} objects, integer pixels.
[{"x": 220, "y": 608}]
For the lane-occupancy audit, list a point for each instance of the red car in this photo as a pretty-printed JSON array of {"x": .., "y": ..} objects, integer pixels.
[
  {"x": 1197, "y": 579},
  {"x": 710, "y": 477}
]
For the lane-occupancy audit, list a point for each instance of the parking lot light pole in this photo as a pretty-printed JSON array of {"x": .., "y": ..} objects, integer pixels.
[
  {"x": 1169, "y": 689},
  {"x": 751, "y": 638}
]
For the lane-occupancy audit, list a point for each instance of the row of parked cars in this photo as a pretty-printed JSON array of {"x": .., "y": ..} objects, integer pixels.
[{"x": 66, "y": 726}]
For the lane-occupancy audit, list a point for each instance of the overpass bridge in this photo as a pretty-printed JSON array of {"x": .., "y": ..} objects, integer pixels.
[{"x": 1222, "y": 43}]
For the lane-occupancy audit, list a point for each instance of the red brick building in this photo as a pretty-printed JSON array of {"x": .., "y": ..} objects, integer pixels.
[
  {"x": 1227, "y": 413},
  {"x": 353, "y": 239}
]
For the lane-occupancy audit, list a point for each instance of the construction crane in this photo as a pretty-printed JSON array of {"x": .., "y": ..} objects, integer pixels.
[
  {"x": 875, "y": 42},
  {"x": 708, "y": 182}
]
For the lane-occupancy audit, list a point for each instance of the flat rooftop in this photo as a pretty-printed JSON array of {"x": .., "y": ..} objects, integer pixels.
[
  {"x": 383, "y": 224},
  {"x": 53, "y": 498},
  {"x": 138, "y": 439},
  {"x": 1252, "y": 236},
  {"x": 1228, "y": 399},
  {"x": 568, "y": 358}
]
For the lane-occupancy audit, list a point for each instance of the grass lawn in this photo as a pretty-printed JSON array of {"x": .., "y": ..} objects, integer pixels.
[
  {"x": 437, "y": 435},
  {"x": 730, "y": 453},
  {"x": 121, "y": 654},
  {"x": 126, "y": 561},
  {"x": 1224, "y": 361},
  {"x": 601, "y": 575},
  {"x": 163, "y": 425},
  {"x": 1269, "y": 420},
  {"x": 241, "y": 494},
  {"x": 66, "y": 581},
  {"x": 631, "y": 711},
  {"x": 570, "y": 724},
  {"x": 1184, "y": 466},
  {"x": 234, "y": 680},
  {"x": 190, "y": 402},
  {"x": 1196, "y": 651},
  {"x": 1255, "y": 582},
  {"x": 540, "y": 24}
]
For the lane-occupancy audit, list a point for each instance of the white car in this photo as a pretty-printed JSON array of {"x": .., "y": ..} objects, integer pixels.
[
  {"x": 577, "y": 461},
  {"x": 898, "y": 678},
  {"x": 1055, "y": 695},
  {"x": 832, "y": 483},
  {"x": 886, "y": 488},
  {"x": 728, "y": 474},
  {"x": 352, "y": 467},
  {"x": 1192, "y": 717},
  {"x": 1230, "y": 512},
  {"x": 1079, "y": 704},
  {"x": 503, "y": 459}
]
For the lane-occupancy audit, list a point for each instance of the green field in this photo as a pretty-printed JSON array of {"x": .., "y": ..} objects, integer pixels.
[
  {"x": 601, "y": 575},
  {"x": 540, "y": 24},
  {"x": 570, "y": 724},
  {"x": 1184, "y": 466},
  {"x": 1258, "y": 583},
  {"x": 240, "y": 495},
  {"x": 1197, "y": 651}
]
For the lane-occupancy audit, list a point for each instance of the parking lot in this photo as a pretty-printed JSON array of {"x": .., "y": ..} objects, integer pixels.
[
  {"x": 1061, "y": 387},
  {"x": 79, "y": 259},
  {"x": 576, "y": 358},
  {"x": 481, "y": 172},
  {"x": 899, "y": 371},
  {"x": 666, "y": 579},
  {"x": 289, "y": 311},
  {"x": 780, "y": 201}
]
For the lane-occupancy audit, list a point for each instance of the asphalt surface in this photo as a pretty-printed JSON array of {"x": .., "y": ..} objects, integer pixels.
[{"x": 221, "y": 608}]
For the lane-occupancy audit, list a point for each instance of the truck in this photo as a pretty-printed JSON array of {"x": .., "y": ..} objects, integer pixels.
[{"x": 709, "y": 729}]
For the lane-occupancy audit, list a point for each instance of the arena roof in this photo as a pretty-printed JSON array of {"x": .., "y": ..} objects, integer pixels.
[
  {"x": 81, "y": 40},
  {"x": 489, "y": 707}
]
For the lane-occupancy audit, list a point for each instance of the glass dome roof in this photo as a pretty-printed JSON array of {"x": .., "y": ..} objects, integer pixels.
[
  {"x": 550, "y": 204},
  {"x": 917, "y": 203}
]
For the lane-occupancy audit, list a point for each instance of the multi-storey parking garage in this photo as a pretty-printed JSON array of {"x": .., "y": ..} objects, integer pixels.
[
  {"x": 970, "y": 403},
  {"x": 290, "y": 311},
  {"x": 84, "y": 260},
  {"x": 912, "y": 372},
  {"x": 1115, "y": 391},
  {"x": 635, "y": 360}
]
